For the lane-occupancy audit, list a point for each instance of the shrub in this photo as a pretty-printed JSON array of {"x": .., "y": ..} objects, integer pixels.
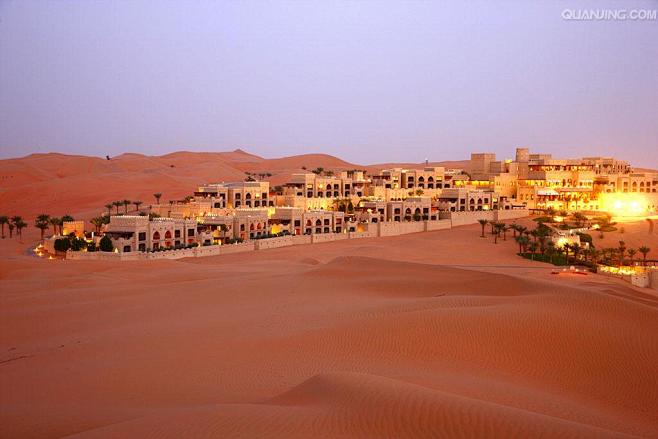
[
  {"x": 78, "y": 244},
  {"x": 584, "y": 237},
  {"x": 106, "y": 244},
  {"x": 62, "y": 244}
]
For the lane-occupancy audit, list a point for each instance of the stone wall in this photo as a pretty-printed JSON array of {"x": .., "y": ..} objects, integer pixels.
[
  {"x": 282, "y": 241},
  {"x": 472, "y": 217},
  {"x": 437, "y": 225},
  {"x": 400, "y": 228},
  {"x": 301, "y": 239},
  {"x": 367, "y": 234},
  {"x": 511, "y": 214},
  {"x": 327, "y": 237}
]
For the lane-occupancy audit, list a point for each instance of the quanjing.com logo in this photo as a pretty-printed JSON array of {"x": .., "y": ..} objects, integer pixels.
[{"x": 609, "y": 14}]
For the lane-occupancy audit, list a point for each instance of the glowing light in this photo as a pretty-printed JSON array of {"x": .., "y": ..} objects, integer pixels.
[
  {"x": 624, "y": 204},
  {"x": 558, "y": 219}
]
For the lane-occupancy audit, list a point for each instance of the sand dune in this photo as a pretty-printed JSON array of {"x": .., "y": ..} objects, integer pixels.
[
  {"x": 60, "y": 184},
  {"x": 357, "y": 339},
  {"x": 440, "y": 334}
]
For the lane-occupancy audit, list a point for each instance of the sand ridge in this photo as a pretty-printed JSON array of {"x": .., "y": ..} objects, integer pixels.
[{"x": 440, "y": 334}]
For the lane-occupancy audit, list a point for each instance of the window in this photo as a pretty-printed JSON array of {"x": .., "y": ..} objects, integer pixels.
[
  {"x": 142, "y": 247},
  {"x": 142, "y": 236},
  {"x": 177, "y": 234},
  {"x": 126, "y": 249}
]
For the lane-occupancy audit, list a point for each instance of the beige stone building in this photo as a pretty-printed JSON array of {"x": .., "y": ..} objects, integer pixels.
[{"x": 138, "y": 233}]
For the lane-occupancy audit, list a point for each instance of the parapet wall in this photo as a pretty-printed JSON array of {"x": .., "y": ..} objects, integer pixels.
[
  {"x": 282, "y": 241},
  {"x": 394, "y": 228}
]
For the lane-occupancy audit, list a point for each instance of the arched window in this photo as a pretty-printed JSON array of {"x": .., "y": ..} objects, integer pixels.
[
  {"x": 156, "y": 235},
  {"x": 318, "y": 223},
  {"x": 168, "y": 234},
  {"x": 247, "y": 196}
]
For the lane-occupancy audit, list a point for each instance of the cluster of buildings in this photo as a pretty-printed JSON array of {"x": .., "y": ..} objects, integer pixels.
[{"x": 350, "y": 201}]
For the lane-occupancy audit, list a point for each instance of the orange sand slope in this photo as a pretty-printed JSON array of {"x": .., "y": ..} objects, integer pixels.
[
  {"x": 369, "y": 338},
  {"x": 58, "y": 184}
]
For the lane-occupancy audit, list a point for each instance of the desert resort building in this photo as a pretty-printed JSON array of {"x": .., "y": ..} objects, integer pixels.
[{"x": 320, "y": 206}]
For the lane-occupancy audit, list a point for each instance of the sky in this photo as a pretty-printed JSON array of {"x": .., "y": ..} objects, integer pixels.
[{"x": 369, "y": 82}]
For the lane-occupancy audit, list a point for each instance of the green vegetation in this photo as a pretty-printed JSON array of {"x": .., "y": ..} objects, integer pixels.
[
  {"x": 272, "y": 235},
  {"x": 105, "y": 244},
  {"x": 556, "y": 259},
  {"x": 42, "y": 223}
]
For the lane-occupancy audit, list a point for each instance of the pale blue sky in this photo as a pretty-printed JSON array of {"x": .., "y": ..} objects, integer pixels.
[{"x": 366, "y": 81}]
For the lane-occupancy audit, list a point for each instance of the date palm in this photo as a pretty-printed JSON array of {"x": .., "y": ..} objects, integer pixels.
[
  {"x": 109, "y": 208},
  {"x": 116, "y": 204},
  {"x": 631, "y": 254},
  {"x": 56, "y": 223},
  {"x": 533, "y": 248},
  {"x": 137, "y": 204},
  {"x": 125, "y": 203},
  {"x": 644, "y": 250},
  {"x": 622, "y": 251},
  {"x": 97, "y": 222},
  {"x": 42, "y": 223},
  {"x": 483, "y": 223},
  {"x": 523, "y": 242},
  {"x": 20, "y": 225},
  {"x": 157, "y": 196},
  {"x": 3, "y": 220}
]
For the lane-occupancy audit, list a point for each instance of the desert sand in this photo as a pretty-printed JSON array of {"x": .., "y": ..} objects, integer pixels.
[{"x": 440, "y": 334}]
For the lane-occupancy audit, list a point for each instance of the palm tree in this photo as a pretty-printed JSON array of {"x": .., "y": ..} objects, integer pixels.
[
  {"x": 644, "y": 250},
  {"x": 499, "y": 227},
  {"x": 3, "y": 220},
  {"x": 533, "y": 248},
  {"x": 483, "y": 222},
  {"x": 116, "y": 204},
  {"x": 20, "y": 225},
  {"x": 109, "y": 206},
  {"x": 575, "y": 248},
  {"x": 41, "y": 223},
  {"x": 126, "y": 203},
  {"x": 56, "y": 222},
  {"x": 17, "y": 220},
  {"x": 137, "y": 204},
  {"x": 516, "y": 228},
  {"x": 566, "y": 248},
  {"x": 550, "y": 250},
  {"x": 157, "y": 196},
  {"x": 579, "y": 219},
  {"x": 523, "y": 242},
  {"x": 97, "y": 222},
  {"x": 66, "y": 218},
  {"x": 631, "y": 254},
  {"x": 622, "y": 251},
  {"x": 11, "y": 230}
]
